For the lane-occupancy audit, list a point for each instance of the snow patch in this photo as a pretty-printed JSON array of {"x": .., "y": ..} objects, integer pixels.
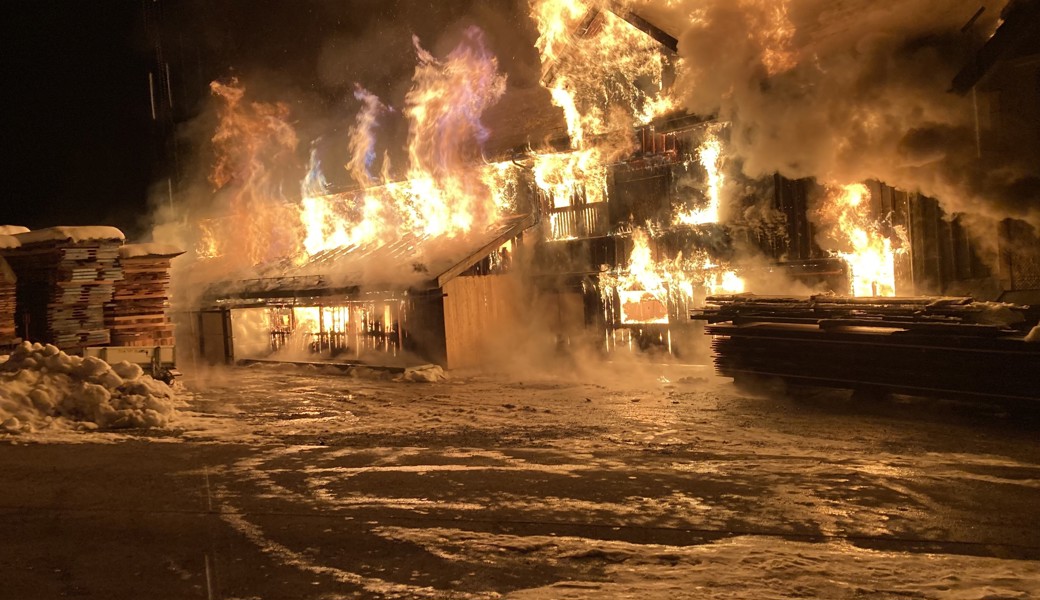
[
  {"x": 152, "y": 249},
  {"x": 997, "y": 313},
  {"x": 424, "y": 374},
  {"x": 748, "y": 566},
  {"x": 41, "y": 387}
]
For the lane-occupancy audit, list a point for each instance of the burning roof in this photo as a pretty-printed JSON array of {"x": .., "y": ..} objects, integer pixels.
[{"x": 408, "y": 262}]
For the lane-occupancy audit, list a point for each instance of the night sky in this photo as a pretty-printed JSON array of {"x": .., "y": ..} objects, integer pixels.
[
  {"x": 77, "y": 136},
  {"x": 80, "y": 144}
]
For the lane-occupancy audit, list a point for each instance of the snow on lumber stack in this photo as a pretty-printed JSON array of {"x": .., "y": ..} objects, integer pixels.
[
  {"x": 65, "y": 274},
  {"x": 13, "y": 229},
  {"x": 42, "y": 387},
  {"x": 137, "y": 313}
]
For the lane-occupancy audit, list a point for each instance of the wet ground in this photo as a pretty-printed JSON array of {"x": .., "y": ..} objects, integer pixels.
[{"x": 649, "y": 482}]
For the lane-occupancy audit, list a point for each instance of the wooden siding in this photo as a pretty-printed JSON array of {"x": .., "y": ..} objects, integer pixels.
[{"x": 481, "y": 314}]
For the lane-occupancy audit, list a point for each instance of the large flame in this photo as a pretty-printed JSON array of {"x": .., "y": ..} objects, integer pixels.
[
  {"x": 709, "y": 154},
  {"x": 606, "y": 76},
  {"x": 445, "y": 191},
  {"x": 598, "y": 67},
  {"x": 247, "y": 224},
  {"x": 867, "y": 251}
]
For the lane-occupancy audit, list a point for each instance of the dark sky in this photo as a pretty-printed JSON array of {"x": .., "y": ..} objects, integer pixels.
[{"x": 79, "y": 141}]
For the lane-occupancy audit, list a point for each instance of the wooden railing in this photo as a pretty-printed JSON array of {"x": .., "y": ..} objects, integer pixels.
[{"x": 579, "y": 221}]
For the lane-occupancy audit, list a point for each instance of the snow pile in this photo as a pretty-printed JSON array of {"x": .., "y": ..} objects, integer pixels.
[
  {"x": 997, "y": 313},
  {"x": 41, "y": 387},
  {"x": 424, "y": 374},
  {"x": 1034, "y": 334}
]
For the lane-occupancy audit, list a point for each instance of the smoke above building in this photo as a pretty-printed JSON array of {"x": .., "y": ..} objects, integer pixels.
[{"x": 846, "y": 91}]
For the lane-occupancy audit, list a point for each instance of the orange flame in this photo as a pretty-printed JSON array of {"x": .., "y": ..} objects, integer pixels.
[
  {"x": 663, "y": 280},
  {"x": 867, "y": 251},
  {"x": 710, "y": 157},
  {"x": 251, "y": 140},
  {"x": 594, "y": 63},
  {"x": 443, "y": 194}
]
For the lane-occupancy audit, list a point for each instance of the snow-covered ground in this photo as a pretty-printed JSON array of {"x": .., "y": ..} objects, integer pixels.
[{"x": 622, "y": 480}]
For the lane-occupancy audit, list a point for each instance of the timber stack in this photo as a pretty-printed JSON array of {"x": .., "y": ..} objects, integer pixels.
[
  {"x": 7, "y": 295},
  {"x": 137, "y": 314},
  {"x": 8, "y": 282},
  {"x": 65, "y": 276},
  {"x": 948, "y": 346}
]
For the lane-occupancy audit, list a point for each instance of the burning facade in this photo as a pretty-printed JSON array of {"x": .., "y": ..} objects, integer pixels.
[{"x": 616, "y": 215}]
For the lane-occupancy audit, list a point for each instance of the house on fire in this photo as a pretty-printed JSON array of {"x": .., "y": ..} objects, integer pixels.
[{"x": 374, "y": 303}]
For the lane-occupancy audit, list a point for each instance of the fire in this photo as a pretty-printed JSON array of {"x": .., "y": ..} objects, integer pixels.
[
  {"x": 250, "y": 140},
  {"x": 443, "y": 193},
  {"x": 650, "y": 284},
  {"x": 867, "y": 251},
  {"x": 710, "y": 157},
  {"x": 598, "y": 67},
  {"x": 315, "y": 319}
]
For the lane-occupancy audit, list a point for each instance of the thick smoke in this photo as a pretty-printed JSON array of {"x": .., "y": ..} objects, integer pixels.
[{"x": 851, "y": 90}]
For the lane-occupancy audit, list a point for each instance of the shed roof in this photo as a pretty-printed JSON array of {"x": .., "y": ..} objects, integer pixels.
[{"x": 408, "y": 263}]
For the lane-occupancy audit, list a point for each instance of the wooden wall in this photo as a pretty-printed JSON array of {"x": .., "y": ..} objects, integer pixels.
[{"x": 481, "y": 316}]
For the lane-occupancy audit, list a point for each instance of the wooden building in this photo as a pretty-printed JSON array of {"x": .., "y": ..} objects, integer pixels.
[{"x": 374, "y": 304}]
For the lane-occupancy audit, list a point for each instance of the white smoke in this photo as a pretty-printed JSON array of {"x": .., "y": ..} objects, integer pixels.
[{"x": 849, "y": 90}]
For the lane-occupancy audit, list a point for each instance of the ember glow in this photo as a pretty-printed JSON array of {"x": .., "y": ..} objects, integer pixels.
[{"x": 867, "y": 251}]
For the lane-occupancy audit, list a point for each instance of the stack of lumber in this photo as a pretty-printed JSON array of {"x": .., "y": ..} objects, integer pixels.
[
  {"x": 65, "y": 277},
  {"x": 137, "y": 314},
  {"x": 949, "y": 347},
  {"x": 8, "y": 281},
  {"x": 7, "y": 304}
]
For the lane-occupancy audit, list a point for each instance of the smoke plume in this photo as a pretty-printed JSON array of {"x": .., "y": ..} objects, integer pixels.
[{"x": 850, "y": 90}]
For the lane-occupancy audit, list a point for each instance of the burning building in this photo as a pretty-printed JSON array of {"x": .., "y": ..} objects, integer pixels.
[{"x": 639, "y": 195}]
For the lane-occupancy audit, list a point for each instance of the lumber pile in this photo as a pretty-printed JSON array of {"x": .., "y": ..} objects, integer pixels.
[
  {"x": 950, "y": 347},
  {"x": 137, "y": 314},
  {"x": 65, "y": 276},
  {"x": 8, "y": 282},
  {"x": 7, "y": 304}
]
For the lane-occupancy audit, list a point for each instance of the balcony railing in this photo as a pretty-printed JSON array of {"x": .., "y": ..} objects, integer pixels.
[{"x": 579, "y": 221}]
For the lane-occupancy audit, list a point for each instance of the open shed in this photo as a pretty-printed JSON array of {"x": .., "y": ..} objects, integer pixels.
[{"x": 435, "y": 300}]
